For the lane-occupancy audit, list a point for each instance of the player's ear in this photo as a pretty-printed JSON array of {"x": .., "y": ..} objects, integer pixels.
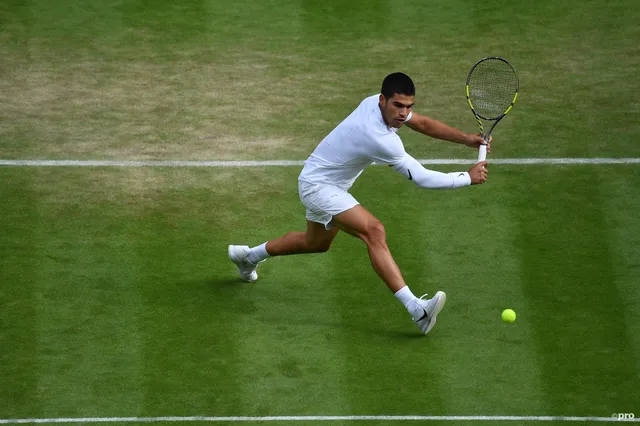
[{"x": 382, "y": 101}]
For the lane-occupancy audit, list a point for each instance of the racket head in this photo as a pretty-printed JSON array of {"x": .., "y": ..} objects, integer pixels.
[{"x": 492, "y": 87}]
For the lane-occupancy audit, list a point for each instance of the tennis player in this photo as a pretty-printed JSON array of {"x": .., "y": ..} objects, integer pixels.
[{"x": 366, "y": 136}]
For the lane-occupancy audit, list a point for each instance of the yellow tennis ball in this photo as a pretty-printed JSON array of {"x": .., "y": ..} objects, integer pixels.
[{"x": 509, "y": 315}]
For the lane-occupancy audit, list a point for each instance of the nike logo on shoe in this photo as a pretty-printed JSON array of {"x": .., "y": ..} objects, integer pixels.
[
  {"x": 423, "y": 316},
  {"x": 410, "y": 177}
]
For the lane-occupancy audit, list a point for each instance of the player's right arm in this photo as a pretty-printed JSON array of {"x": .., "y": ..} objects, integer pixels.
[
  {"x": 439, "y": 130},
  {"x": 430, "y": 179}
]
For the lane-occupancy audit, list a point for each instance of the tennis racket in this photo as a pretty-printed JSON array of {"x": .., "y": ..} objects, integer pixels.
[{"x": 492, "y": 89}]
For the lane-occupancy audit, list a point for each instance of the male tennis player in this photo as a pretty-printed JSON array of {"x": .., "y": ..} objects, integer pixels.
[{"x": 367, "y": 135}]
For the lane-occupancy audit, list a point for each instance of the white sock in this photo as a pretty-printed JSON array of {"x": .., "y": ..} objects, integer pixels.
[
  {"x": 257, "y": 254},
  {"x": 407, "y": 298}
]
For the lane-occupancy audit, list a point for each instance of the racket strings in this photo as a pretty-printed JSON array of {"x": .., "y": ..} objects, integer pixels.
[{"x": 492, "y": 86}]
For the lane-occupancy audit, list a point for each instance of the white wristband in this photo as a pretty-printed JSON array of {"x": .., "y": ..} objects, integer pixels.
[{"x": 460, "y": 179}]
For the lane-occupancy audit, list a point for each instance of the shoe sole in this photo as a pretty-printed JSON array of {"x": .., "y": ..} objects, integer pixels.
[
  {"x": 234, "y": 259},
  {"x": 442, "y": 298}
]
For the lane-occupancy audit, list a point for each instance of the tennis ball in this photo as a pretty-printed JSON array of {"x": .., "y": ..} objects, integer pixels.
[{"x": 509, "y": 315}]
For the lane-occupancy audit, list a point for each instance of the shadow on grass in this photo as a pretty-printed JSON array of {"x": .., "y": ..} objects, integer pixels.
[
  {"x": 279, "y": 319},
  {"x": 224, "y": 283}
]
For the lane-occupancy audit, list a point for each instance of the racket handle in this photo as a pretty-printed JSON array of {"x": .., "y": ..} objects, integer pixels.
[{"x": 482, "y": 153}]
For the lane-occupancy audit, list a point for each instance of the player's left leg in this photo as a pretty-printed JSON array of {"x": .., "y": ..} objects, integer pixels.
[
  {"x": 316, "y": 239},
  {"x": 321, "y": 202}
]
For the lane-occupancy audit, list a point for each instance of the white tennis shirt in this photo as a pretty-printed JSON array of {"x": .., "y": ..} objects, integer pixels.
[{"x": 361, "y": 139}]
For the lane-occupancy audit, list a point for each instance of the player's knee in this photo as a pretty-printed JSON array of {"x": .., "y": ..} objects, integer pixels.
[
  {"x": 376, "y": 234},
  {"x": 323, "y": 248},
  {"x": 320, "y": 246}
]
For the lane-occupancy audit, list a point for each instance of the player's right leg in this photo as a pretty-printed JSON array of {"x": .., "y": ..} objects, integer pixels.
[{"x": 360, "y": 223}]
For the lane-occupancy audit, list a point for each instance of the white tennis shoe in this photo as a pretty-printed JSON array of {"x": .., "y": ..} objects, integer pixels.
[
  {"x": 427, "y": 310},
  {"x": 247, "y": 270}
]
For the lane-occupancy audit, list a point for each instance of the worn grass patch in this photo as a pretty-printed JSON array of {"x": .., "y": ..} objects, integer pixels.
[{"x": 130, "y": 80}]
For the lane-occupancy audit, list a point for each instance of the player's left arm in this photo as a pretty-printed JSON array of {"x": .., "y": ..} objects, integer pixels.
[
  {"x": 431, "y": 179},
  {"x": 437, "y": 129}
]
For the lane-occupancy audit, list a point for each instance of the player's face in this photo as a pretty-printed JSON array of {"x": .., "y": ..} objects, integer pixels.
[{"x": 396, "y": 109}]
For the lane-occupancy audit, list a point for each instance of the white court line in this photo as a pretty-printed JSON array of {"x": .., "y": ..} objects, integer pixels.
[
  {"x": 186, "y": 163},
  {"x": 613, "y": 418}
]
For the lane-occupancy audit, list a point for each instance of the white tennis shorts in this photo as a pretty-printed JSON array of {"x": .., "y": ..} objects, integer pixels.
[{"x": 324, "y": 201}]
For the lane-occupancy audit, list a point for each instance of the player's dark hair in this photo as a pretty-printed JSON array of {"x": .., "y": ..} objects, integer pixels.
[{"x": 397, "y": 83}]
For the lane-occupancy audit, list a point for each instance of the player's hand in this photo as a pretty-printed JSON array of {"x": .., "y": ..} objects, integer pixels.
[
  {"x": 478, "y": 173},
  {"x": 475, "y": 140}
]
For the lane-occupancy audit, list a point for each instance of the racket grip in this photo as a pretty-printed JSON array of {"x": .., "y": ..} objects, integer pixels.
[{"x": 482, "y": 153}]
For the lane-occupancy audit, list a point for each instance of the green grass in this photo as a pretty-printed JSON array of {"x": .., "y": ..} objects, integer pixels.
[
  {"x": 216, "y": 80},
  {"x": 116, "y": 293},
  {"x": 120, "y": 300}
]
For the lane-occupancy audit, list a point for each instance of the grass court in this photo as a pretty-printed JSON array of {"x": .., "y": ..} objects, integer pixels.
[{"x": 117, "y": 298}]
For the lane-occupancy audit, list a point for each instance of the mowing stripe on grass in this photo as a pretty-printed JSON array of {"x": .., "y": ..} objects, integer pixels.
[
  {"x": 613, "y": 418},
  {"x": 577, "y": 298},
  {"x": 187, "y": 163}
]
